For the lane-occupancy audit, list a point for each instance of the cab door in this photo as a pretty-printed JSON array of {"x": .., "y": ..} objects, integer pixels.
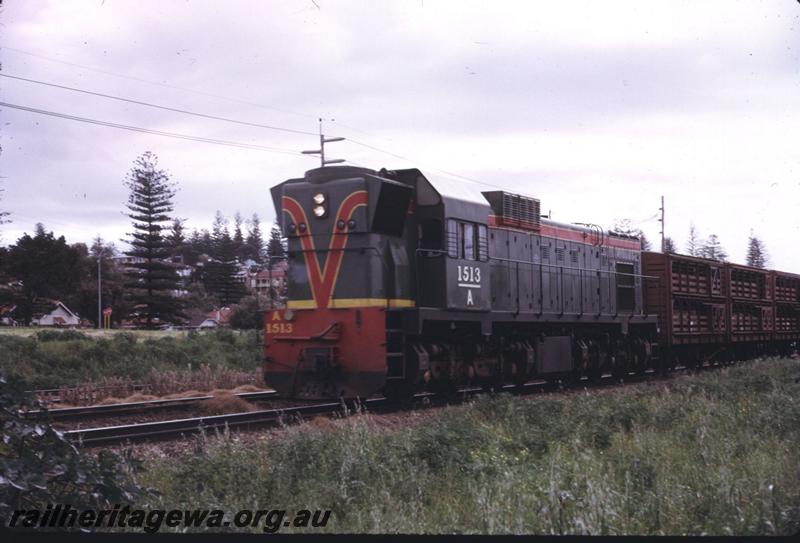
[
  {"x": 468, "y": 281},
  {"x": 431, "y": 259}
]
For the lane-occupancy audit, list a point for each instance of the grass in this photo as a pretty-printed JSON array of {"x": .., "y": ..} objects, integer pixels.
[
  {"x": 53, "y": 358},
  {"x": 714, "y": 453},
  {"x": 28, "y": 331}
]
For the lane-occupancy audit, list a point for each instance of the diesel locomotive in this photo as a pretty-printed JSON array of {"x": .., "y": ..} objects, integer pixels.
[{"x": 397, "y": 283}]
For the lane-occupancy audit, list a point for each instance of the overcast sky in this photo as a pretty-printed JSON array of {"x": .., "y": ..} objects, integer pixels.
[{"x": 595, "y": 108}]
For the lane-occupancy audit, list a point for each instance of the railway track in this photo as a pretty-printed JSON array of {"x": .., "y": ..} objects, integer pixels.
[
  {"x": 180, "y": 427},
  {"x": 52, "y": 395},
  {"x": 97, "y": 411},
  {"x": 172, "y": 429}
]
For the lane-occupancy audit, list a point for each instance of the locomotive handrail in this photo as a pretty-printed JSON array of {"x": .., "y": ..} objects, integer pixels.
[
  {"x": 560, "y": 268},
  {"x": 572, "y": 268},
  {"x": 531, "y": 262}
]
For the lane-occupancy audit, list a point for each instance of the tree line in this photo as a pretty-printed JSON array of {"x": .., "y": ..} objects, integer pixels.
[
  {"x": 709, "y": 247},
  {"x": 43, "y": 267},
  {"x": 145, "y": 288}
]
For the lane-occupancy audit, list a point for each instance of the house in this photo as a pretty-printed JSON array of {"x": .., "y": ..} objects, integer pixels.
[
  {"x": 215, "y": 319},
  {"x": 275, "y": 276},
  {"x": 7, "y": 315},
  {"x": 56, "y": 314}
]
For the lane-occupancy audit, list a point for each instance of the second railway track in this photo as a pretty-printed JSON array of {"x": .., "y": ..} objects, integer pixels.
[
  {"x": 179, "y": 427},
  {"x": 129, "y": 408}
]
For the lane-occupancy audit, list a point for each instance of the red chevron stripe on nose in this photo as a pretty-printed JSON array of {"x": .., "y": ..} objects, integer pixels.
[{"x": 323, "y": 279}]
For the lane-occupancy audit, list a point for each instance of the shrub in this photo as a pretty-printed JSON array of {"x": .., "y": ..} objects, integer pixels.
[
  {"x": 63, "y": 359},
  {"x": 248, "y": 314},
  {"x": 39, "y": 466}
]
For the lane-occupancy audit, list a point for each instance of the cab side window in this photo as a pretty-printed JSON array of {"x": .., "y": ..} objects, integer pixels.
[
  {"x": 483, "y": 243},
  {"x": 452, "y": 238},
  {"x": 467, "y": 240}
]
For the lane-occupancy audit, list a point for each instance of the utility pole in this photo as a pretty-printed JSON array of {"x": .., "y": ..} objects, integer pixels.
[
  {"x": 99, "y": 291},
  {"x": 661, "y": 220},
  {"x": 321, "y": 151}
]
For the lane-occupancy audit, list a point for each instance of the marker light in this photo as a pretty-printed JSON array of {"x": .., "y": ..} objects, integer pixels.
[
  {"x": 319, "y": 198},
  {"x": 319, "y": 211}
]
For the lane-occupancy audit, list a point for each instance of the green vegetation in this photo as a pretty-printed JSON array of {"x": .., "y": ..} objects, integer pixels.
[
  {"x": 53, "y": 358},
  {"x": 714, "y": 453},
  {"x": 40, "y": 467}
]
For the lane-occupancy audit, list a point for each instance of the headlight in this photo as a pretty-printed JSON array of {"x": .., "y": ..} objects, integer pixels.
[
  {"x": 319, "y": 211},
  {"x": 319, "y": 198}
]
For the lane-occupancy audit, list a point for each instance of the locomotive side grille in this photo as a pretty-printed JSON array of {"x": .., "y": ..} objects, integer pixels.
[
  {"x": 520, "y": 211},
  {"x": 514, "y": 209}
]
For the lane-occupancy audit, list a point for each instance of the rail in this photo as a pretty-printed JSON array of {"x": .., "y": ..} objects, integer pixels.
[
  {"x": 177, "y": 428},
  {"x": 68, "y": 413}
]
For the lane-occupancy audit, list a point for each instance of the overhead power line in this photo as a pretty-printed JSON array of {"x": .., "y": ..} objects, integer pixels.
[
  {"x": 166, "y": 108},
  {"x": 166, "y": 85},
  {"x": 444, "y": 172},
  {"x": 221, "y": 97},
  {"x": 151, "y": 131}
]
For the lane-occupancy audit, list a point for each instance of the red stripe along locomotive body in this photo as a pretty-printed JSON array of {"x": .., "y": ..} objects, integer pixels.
[{"x": 398, "y": 283}]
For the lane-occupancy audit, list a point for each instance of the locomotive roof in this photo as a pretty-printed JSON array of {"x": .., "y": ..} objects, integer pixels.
[
  {"x": 466, "y": 191},
  {"x": 462, "y": 198}
]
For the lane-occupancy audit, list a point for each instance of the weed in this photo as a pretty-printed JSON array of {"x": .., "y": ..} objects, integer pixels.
[{"x": 713, "y": 453}]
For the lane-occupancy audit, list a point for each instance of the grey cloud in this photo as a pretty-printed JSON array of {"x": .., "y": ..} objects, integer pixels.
[{"x": 454, "y": 78}]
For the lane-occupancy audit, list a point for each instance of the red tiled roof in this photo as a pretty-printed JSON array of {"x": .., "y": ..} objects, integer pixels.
[{"x": 222, "y": 316}]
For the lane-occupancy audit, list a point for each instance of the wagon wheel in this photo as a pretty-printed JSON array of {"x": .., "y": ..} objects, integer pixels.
[
  {"x": 693, "y": 362},
  {"x": 667, "y": 360},
  {"x": 640, "y": 359}
]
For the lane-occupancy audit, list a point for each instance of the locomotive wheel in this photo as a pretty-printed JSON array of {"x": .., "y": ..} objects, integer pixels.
[
  {"x": 622, "y": 365},
  {"x": 595, "y": 372},
  {"x": 519, "y": 378},
  {"x": 446, "y": 388},
  {"x": 494, "y": 382},
  {"x": 618, "y": 370},
  {"x": 398, "y": 391}
]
